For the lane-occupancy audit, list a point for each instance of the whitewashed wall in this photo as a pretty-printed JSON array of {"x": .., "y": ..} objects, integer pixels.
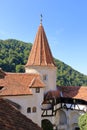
[
  {"x": 30, "y": 101},
  {"x": 49, "y": 71}
]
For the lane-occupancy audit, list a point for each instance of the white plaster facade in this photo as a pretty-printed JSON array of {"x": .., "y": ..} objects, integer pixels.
[
  {"x": 49, "y": 72},
  {"x": 29, "y": 101},
  {"x": 65, "y": 120}
]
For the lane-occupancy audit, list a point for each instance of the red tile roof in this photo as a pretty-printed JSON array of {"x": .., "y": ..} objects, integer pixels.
[
  {"x": 77, "y": 92},
  {"x": 19, "y": 83},
  {"x": 40, "y": 54},
  {"x": 36, "y": 82},
  {"x": 74, "y": 92},
  {"x": 12, "y": 119},
  {"x": 52, "y": 94}
]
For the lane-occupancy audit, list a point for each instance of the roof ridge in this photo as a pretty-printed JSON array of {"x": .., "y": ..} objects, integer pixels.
[
  {"x": 22, "y": 73},
  {"x": 33, "y": 80}
]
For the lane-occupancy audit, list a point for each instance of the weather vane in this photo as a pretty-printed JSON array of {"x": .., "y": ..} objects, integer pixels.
[{"x": 41, "y": 18}]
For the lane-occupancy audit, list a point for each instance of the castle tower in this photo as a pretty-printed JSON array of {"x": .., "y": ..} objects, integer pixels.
[{"x": 41, "y": 60}]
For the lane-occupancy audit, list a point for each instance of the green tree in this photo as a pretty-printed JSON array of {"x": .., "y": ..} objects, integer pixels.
[
  {"x": 20, "y": 68},
  {"x": 83, "y": 122}
]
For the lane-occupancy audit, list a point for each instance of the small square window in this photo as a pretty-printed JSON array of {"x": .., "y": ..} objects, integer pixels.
[
  {"x": 37, "y": 90},
  {"x": 29, "y": 110},
  {"x": 34, "y": 109}
]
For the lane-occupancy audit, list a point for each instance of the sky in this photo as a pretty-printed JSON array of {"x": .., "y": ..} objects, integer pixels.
[{"x": 64, "y": 21}]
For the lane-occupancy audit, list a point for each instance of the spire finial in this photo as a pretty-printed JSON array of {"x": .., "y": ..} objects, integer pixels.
[{"x": 41, "y": 18}]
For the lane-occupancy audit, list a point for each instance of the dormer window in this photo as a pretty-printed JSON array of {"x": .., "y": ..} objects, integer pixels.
[
  {"x": 37, "y": 90},
  {"x": 45, "y": 77}
]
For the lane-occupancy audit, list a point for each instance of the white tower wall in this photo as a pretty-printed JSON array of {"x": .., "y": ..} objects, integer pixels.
[{"x": 48, "y": 75}]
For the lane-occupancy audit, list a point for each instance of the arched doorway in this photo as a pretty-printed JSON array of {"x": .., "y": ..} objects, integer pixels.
[
  {"x": 46, "y": 125},
  {"x": 61, "y": 120},
  {"x": 74, "y": 120}
]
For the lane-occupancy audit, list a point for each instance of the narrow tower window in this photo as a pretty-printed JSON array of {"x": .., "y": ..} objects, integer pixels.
[{"x": 45, "y": 77}]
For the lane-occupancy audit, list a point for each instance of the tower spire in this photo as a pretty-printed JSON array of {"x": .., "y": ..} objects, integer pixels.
[
  {"x": 40, "y": 54},
  {"x": 41, "y": 19}
]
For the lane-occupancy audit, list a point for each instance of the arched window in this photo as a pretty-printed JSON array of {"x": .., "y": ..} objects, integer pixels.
[
  {"x": 34, "y": 109},
  {"x": 29, "y": 110}
]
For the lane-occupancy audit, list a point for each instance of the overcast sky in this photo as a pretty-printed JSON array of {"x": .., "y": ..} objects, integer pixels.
[{"x": 64, "y": 21}]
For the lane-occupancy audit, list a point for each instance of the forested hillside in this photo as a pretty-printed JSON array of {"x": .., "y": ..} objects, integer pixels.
[{"x": 14, "y": 55}]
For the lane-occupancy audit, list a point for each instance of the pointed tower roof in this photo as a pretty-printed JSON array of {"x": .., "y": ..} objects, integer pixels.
[{"x": 40, "y": 54}]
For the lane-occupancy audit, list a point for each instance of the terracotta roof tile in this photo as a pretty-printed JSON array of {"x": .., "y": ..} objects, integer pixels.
[
  {"x": 12, "y": 119},
  {"x": 18, "y": 83},
  {"x": 74, "y": 92},
  {"x": 52, "y": 94},
  {"x": 36, "y": 82},
  {"x": 40, "y": 53},
  {"x": 77, "y": 92}
]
